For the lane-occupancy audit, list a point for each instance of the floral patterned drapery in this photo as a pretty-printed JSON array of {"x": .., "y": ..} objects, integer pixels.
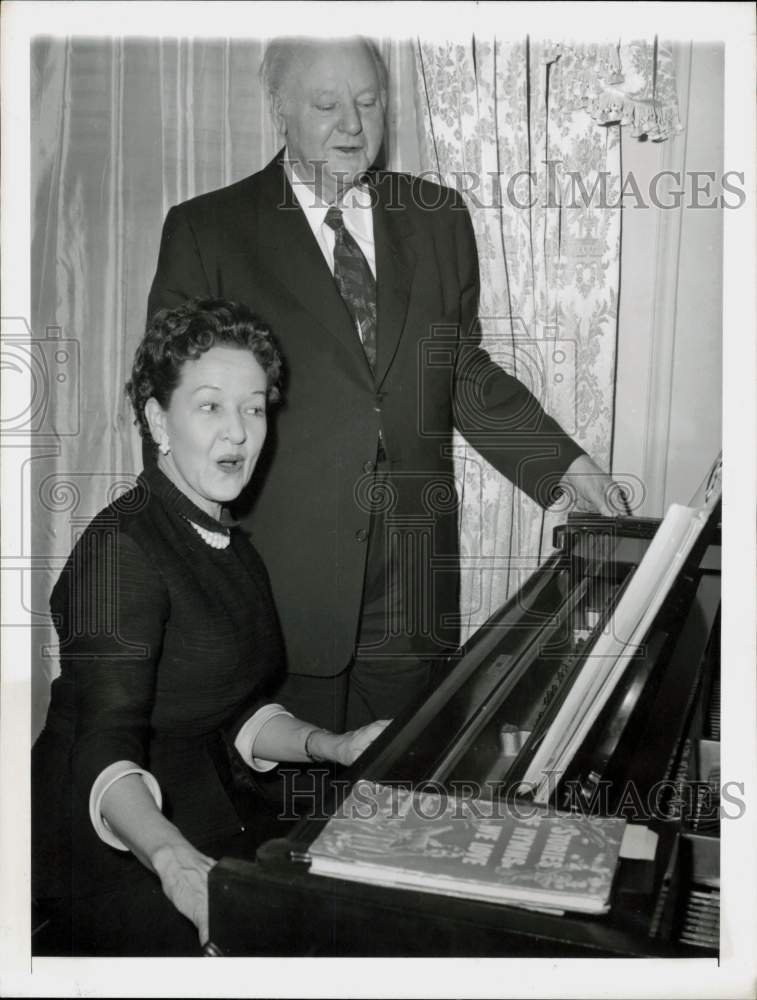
[
  {"x": 626, "y": 84},
  {"x": 529, "y": 133}
]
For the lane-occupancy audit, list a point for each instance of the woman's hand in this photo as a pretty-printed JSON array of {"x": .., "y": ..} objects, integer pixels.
[
  {"x": 183, "y": 873},
  {"x": 346, "y": 747},
  {"x": 133, "y": 816},
  {"x": 283, "y": 737}
]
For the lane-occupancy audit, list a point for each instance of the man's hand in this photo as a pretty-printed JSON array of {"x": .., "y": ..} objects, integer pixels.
[{"x": 593, "y": 490}]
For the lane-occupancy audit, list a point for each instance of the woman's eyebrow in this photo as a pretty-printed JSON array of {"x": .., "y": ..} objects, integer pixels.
[{"x": 253, "y": 392}]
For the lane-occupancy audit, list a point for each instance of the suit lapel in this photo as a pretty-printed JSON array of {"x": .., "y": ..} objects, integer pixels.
[
  {"x": 289, "y": 251},
  {"x": 395, "y": 267}
]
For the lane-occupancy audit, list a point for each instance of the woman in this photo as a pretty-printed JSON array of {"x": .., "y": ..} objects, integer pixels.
[{"x": 168, "y": 645}]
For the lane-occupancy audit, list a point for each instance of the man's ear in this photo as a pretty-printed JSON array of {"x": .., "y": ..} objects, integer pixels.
[
  {"x": 276, "y": 105},
  {"x": 156, "y": 420}
]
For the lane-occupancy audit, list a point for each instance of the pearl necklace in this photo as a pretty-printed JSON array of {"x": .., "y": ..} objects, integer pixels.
[{"x": 215, "y": 539}]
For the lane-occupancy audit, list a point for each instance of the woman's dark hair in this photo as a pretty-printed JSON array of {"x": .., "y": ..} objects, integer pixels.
[{"x": 174, "y": 336}]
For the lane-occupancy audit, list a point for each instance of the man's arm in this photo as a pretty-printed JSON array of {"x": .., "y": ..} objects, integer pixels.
[
  {"x": 180, "y": 274},
  {"x": 504, "y": 421}
]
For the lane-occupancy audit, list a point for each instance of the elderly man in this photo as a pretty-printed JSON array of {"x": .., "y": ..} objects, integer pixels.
[{"x": 369, "y": 281}]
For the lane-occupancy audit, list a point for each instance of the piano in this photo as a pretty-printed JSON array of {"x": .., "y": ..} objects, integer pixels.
[{"x": 651, "y": 756}]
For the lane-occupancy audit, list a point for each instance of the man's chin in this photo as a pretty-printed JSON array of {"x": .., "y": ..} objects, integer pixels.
[{"x": 345, "y": 172}]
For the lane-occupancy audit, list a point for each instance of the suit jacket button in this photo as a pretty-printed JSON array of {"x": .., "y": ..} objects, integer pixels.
[
  {"x": 362, "y": 535},
  {"x": 369, "y": 467}
]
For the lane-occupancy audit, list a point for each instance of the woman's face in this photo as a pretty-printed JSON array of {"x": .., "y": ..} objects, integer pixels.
[{"x": 215, "y": 425}]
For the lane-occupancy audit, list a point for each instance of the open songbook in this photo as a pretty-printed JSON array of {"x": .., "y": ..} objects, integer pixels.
[{"x": 616, "y": 647}]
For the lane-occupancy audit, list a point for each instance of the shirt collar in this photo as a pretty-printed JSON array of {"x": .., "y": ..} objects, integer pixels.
[{"x": 355, "y": 201}]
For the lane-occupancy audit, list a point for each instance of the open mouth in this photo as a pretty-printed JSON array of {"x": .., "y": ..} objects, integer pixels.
[{"x": 230, "y": 463}]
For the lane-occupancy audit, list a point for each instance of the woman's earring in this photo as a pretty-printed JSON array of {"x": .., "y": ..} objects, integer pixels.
[{"x": 164, "y": 447}]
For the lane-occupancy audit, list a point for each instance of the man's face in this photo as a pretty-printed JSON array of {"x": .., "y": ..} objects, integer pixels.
[{"x": 331, "y": 110}]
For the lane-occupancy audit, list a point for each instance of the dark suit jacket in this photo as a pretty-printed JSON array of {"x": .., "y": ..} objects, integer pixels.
[{"x": 309, "y": 509}]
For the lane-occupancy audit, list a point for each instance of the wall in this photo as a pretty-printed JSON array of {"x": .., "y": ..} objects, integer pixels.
[{"x": 668, "y": 389}]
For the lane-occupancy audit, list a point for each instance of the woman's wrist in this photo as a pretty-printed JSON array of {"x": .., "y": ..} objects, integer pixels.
[
  {"x": 164, "y": 858},
  {"x": 319, "y": 745}
]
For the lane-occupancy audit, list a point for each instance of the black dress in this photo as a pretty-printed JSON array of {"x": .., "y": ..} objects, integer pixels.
[{"x": 167, "y": 646}]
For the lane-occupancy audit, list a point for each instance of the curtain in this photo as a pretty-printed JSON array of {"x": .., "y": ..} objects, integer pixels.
[
  {"x": 529, "y": 133},
  {"x": 122, "y": 129}
]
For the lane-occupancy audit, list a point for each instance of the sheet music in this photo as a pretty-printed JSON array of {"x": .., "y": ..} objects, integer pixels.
[{"x": 613, "y": 651}]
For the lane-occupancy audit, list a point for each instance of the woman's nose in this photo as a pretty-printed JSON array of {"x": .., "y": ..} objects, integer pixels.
[{"x": 235, "y": 429}]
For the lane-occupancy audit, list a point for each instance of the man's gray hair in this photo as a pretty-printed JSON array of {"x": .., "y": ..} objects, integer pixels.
[{"x": 281, "y": 52}]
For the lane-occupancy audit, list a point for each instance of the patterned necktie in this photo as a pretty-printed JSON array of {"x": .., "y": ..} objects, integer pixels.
[{"x": 355, "y": 282}]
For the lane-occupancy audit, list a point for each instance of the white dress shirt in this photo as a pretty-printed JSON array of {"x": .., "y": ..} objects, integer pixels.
[{"x": 356, "y": 212}]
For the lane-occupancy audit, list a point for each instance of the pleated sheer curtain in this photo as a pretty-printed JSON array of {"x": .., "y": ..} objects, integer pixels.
[{"x": 124, "y": 128}]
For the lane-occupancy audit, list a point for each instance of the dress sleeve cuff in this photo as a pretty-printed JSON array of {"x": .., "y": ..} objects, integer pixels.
[
  {"x": 100, "y": 786},
  {"x": 245, "y": 739}
]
